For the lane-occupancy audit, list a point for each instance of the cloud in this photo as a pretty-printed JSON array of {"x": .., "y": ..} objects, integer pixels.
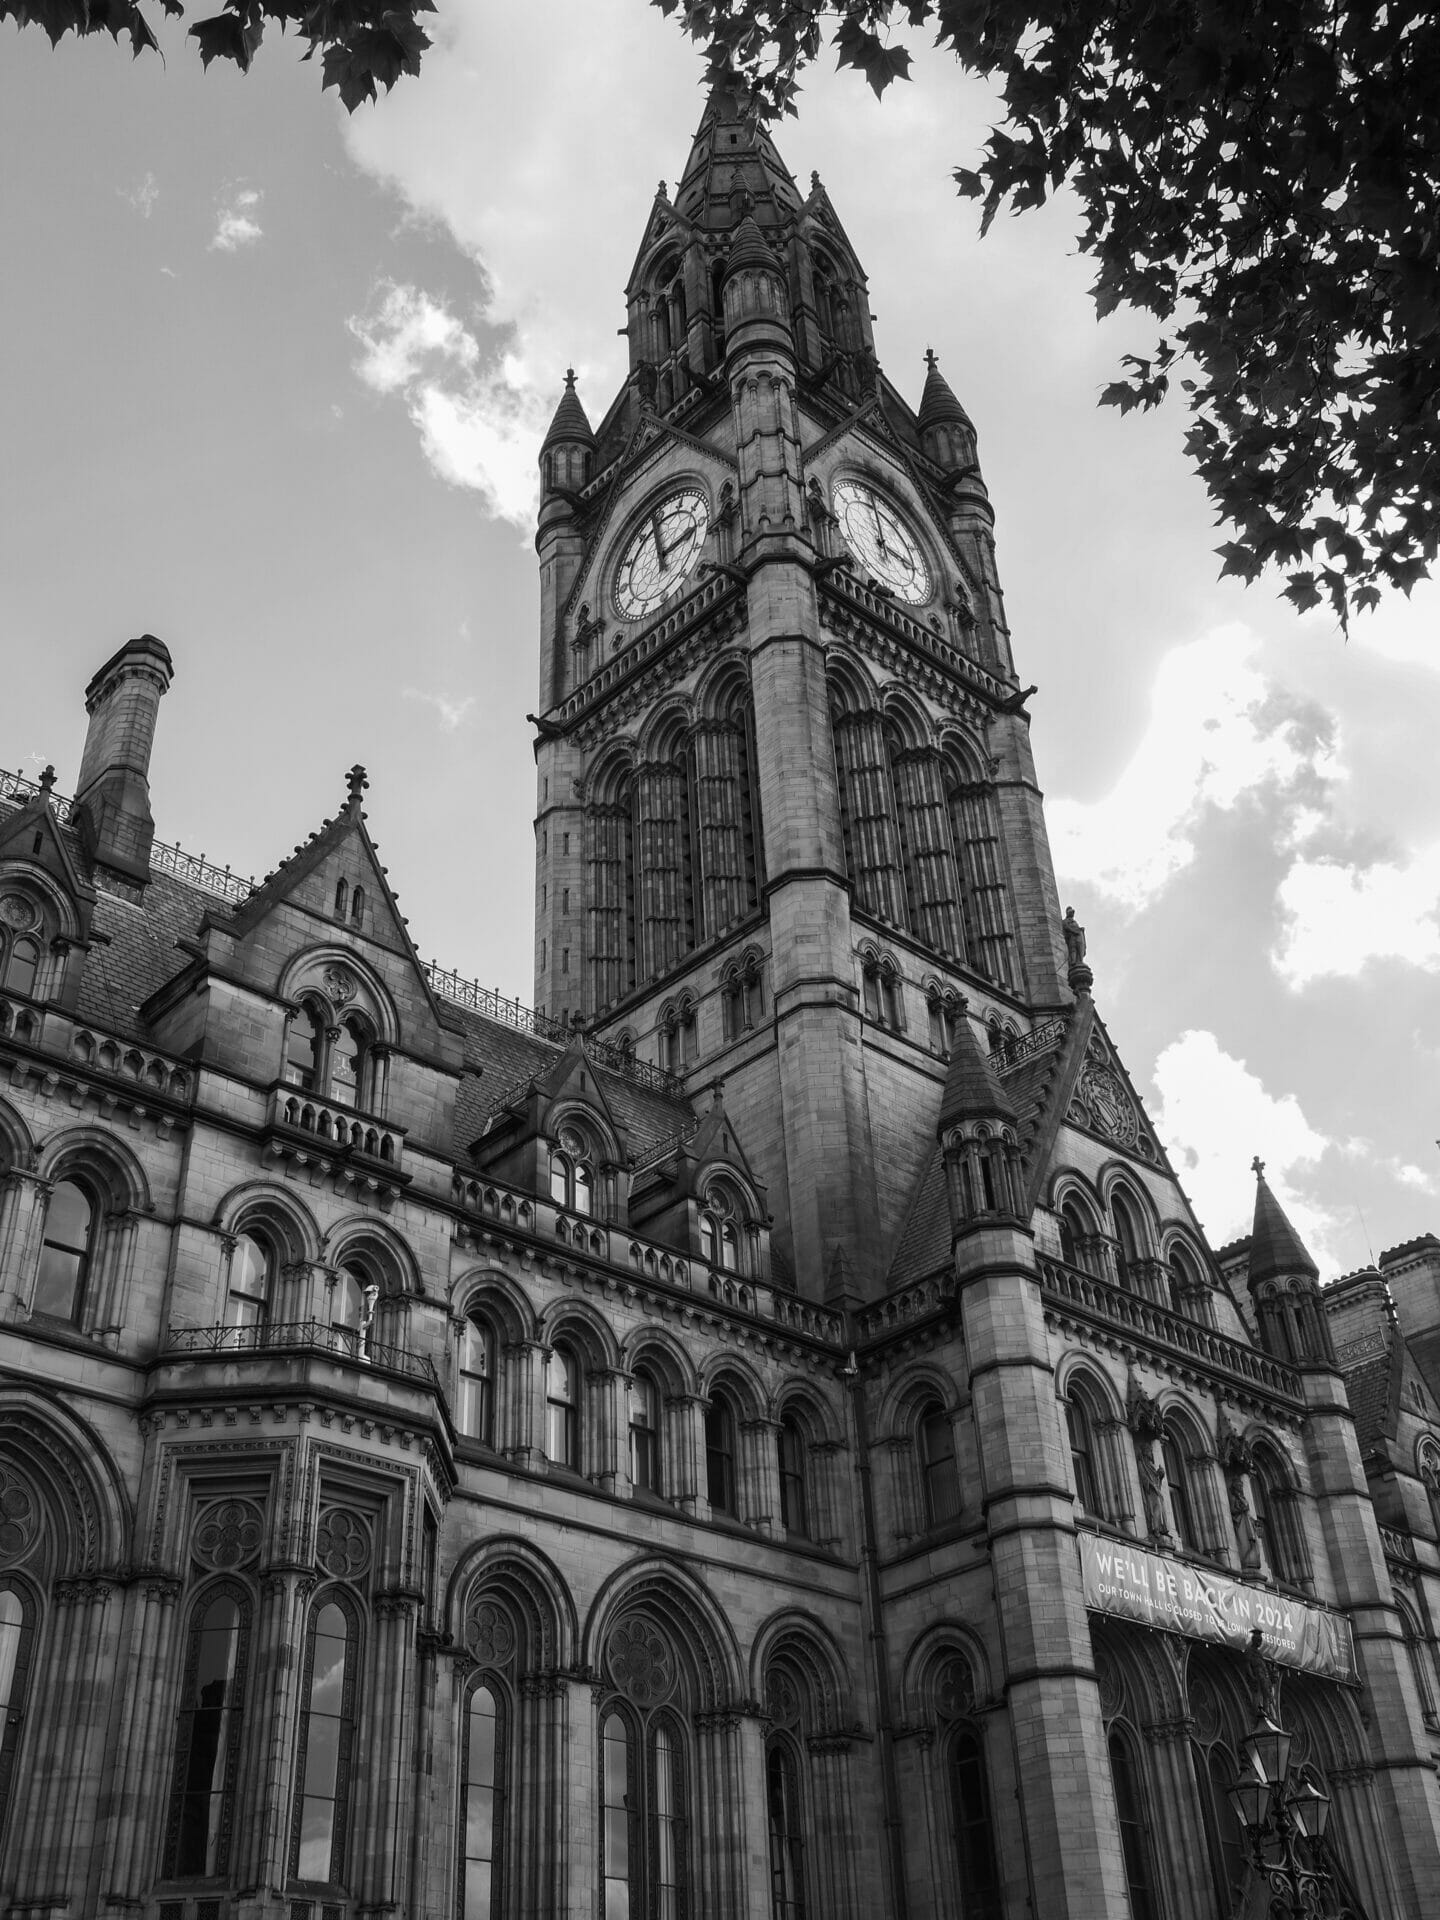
[
  {"x": 479, "y": 414},
  {"x": 1214, "y": 1115},
  {"x": 1218, "y": 731},
  {"x": 450, "y": 710},
  {"x": 1339, "y": 916},
  {"x": 236, "y": 225},
  {"x": 143, "y": 197}
]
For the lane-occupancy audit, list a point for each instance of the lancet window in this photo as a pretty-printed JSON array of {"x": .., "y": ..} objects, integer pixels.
[
  {"x": 252, "y": 1276},
  {"x": 67, "y": 1250},
  {"x": 645, "y": 1434},
  {"x": 742, "y": 995},
  {"x": 922, "y": 838},
  {"x": 324, "y": 1760},
  {"x": 17, "y": 1638},
  {"x": 679, "y": 1034},
  {"x": 484, "y": 1755},
  {"x": 721, "y": 1487},
  {"x": 476, "y": 1410},
  {"x": 1277, "y": 1517},
  {"x": 972, "y": 1822},
  {"x": 563, "y": 1408},
  {"x": 20, "y": 949},
  {"x": 644, "y": 1779},
  {"x": 939, "y": 1473},
  {"x": 207, "y": 1736},
  {"x": 792, "y": 1459},
  {"x": 1130, "y": 1812}
]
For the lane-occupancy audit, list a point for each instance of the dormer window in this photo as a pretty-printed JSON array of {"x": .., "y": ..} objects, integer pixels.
[
  {"x": 720, "y": 1231},
  {"x": 678, "y": 1035},
  {"x": 304, "y": 1044},
  {"x": 572, "y": 1176},
  {"x": 21, "y": 934},
  {"x": 349, "y": 1058}
]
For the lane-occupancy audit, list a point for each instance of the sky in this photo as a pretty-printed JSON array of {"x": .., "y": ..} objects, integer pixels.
[{"x": 274, "y": 380}]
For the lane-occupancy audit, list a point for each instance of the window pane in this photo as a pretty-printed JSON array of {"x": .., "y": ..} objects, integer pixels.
[
  {"x": 559, "y": 1179},
  {"x": 667, "y": 1869},
  {"x": 720, "y": 1458},
  {"x": 1134, "y": 1841},
  {"x": 347, "y": 1302},
  {"x": 615, "y": 1838},
  {"x": 11, "y": 1620},
  {"x": 584, "y": 1192},
  {"x": 346, "y": 1057},
  {"x": 326, "y": 1746},
  {"x": 205, "y": 1740},
  {"x": 937, "y": 1454},
  {"x": 57, "y": 1286},
  {"x": 481, "y": 1817},
  {"x": 302, "y": 1050}
]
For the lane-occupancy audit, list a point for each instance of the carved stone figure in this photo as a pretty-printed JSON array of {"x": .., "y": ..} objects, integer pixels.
[
  {"x": 1074, "y": 937},
  {"x": 1260, "y": 1678}
]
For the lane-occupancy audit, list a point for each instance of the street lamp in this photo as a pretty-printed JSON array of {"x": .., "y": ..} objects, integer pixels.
[{"x": 1278, "y": 1819}]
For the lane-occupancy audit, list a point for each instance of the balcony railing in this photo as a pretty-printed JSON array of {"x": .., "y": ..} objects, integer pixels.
[
  {"x": 1041, "y": 1039},
  {"x": 334, "y": 1128},
  {"x": 1069, "y": 1288},
  {"x": 350, "y": 1346}
]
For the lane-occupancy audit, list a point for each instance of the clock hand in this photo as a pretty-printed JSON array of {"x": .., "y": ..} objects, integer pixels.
[
  {"x": 879, "y": 530},
  {"x": 661, "y": 553}
]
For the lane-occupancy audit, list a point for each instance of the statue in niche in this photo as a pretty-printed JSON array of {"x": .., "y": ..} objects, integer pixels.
[
  {"x": 1152, "y": 1493},
  {"x": 1260, "y": 1679}
]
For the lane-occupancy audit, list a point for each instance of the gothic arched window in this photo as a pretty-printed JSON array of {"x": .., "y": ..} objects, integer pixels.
[
  {"x": 939, "y": 1475},
  {"x": 943, "y": 1007},
  {"x": 787, "y": 1831},
  {"x": 17, "y": 1638},
  {"x": 644, "y": 1816},
  {"x": 1277, "y": 1518},
  {"x": 562, "y": 1409},
  {"x": 791, "y": 1457},
  {"x": 347, "y": 1305},
  {"x": 304, "y": 1047},
  {"x": 349, "y": 1063},
  {"x": 984, "y": 890},
  {"x": 644, "y": 1434},
  {"x": 974, "y": 1830},
  {"x": 66, "y": 1251},
  {"x": 572, "y": 1174},
  {"x": 873, "y": 857},
  {"x": 613, "y": 841},
  {"x": 883, "y": 996},
  {"x": 207, "y": 1736},
  {"x": 324, "y": 1760},
  {"x": 679, "y": 1035},
  {"x": 1184, "y": 1501},
  {"x": 483, "y": 1773},
  {"x": 21, "y": 965},
  {"x": 1128, "y": 1243},
  {"x": 476, "y": 1412},
  {"x": 1134, "y": 1828},
  {"x": 252, "y": 1275},
  {"x": 720, "y": 1481},
  {"x": 742, "y": 995},
  {"x": 1083, "y": 1465}
]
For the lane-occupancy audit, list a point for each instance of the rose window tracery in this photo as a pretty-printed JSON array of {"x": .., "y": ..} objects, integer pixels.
[
  {"x": 342, "y": 1544},
  {"x": 782, "y": 1699},
  {"x": 955, "y": 1691},
  {"x": 18, "y": 912},
  {"x": 1110, "y": 1685},
  {"x": 641, "y": 1663},
  {"x": 19, "y": 1516},
  {"x": 490, "y": 1634},
  {"x": 228, "y": 1534},
  {"x": 1204, "y": 1709}
]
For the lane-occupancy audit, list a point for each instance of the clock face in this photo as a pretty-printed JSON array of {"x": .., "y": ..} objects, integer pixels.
[
  {"x": 661, "y": 552},
  {"x": 880, "y": 538}
]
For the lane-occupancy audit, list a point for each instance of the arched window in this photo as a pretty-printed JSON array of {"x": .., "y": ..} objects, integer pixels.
[
  {"x": 884, "y": 1001},
  {"x": 679, "y": 1036},
  {"x": 21, "y": 965},
  {"x": 1128, "y": 1243},
  {"x": 252, "y": 1272},
  {"x": 974, "y": 1832},
  {"x": 787, "y": 1831},
  {"x": 357, "y": 907},
  {"x": 347, "y": 1305},
  {"x": 349, "y": 1062},
  {"x": 342, "y": 897},
  {"x": 984, "y": 891},
  {"x": 207, "y": 1737},
  {"x": 323, "y": 1763},
  {"x": 939, "y": 1477},
  {"x": 562, "y": 1409},
  {"x": 17, "y": 1638},
  {"x": 1084, "y": 1465},
  {"x": 742, "y": 996},
  {"x": 643, "y": 1864},
  {"x": 304, "y": 1047},
  {"x": 791, "y": 1450},
  {"x": 1188, "y": 1292},
  {"x": 720, "y": 1242},
  {"x": 720, "y": 1487},
  {"x": 1429, "y": 1463},
  {"x": 1077, "y": 1237},
  {"x": 644, "y": 1434},
  {"x": 944, "y": 1012},
  {"x": 482, "y": 1805},
  {"x": 477, "y": 1383},
  {"x": 1421, "y": 1664},
  {"x": 1184, "y": 1507},
  {"x": 611, "y": 829},
  {"x": 572, "y": 1176},
  {"x": 66, "y": 1251},
  {"x": 1277, "y": 1519},
  {"x": 1134, "y": 1829}
]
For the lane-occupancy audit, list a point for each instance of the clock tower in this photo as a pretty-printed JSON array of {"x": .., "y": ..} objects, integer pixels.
[{"x": 788, "y": 834}]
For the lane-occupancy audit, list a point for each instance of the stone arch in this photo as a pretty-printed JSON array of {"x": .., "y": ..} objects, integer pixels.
[
  {"x": 491, "y": 1292},
  {"x": 287, "y": 1219},
  {"x": 662, "y": 1354},
  {"x": 743, "y": 1384},
  {"x": 1117, "y": 1181},
  {"x": 379, "y": 1248},
  {"x": 304, "y": 972},
  {"x": 663, "y": 734},
  {"x": 722, "y": 688},
  {"x": 800, "y": 1397},
  {"x": 108, "y": 1162},
  {"x": 65, "y": 1462},
  {"x": 922, "y": 1380},
  {"x": 811, "y": 1653},
  {"x": 851, "y": 687},
  {"x": 1076, "y": 1367},
  {"x": 687, "y": 1612},
  {"x": 929, "y": 1653},
  {"x": 579, "y": 1325},
  {"x": 17, "y": 1143},
  {"x": 904, "y": 713},
  {"x": 589, "y": 1121},
  {"x": 966, "y": 758},
  {"x": 608, "y": 776},
  {"x": 534, "y": 1591}
]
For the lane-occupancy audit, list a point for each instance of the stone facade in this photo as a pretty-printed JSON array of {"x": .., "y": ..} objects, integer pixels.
[{"x": 651, "y": 1456}]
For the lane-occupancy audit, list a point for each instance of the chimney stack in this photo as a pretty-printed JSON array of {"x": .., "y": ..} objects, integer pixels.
[{"x": 113, "y": 792}]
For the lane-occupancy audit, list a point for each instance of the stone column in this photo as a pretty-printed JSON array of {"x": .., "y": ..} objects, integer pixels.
[
  {"x": 266, "y": 1796},
  {"x": 836, "y": 1829},
  {"x": 23, "y": 1199},
  {"x": 683, "y": 1460},
  {"x": 1184, "y": 1866},
  {"x": 140, "y": 1771},
  {"x": 759, "y": 1488}
]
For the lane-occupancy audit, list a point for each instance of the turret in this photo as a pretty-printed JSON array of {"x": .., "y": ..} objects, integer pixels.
[
  {"x": 567, "y": 452},
  {"x": 757, "y": 313},
  {"x": 947, "y": 432},
  {"x": 113, "y": 793},
  {"x": 1284, "y": 1284},
  {"x": 978, "y": 1131}
]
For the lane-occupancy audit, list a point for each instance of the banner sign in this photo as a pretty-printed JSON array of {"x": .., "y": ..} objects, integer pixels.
[{"x": 1131, "y": 1583}]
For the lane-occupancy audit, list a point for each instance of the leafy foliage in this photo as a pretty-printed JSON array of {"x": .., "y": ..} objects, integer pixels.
[
  {"x": 1263, "y": 176},
  {"x": 360, "y": 41}
]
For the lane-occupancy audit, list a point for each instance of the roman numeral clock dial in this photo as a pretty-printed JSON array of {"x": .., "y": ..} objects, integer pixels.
[
  {"x": 661, "y": 553},
  {"x": 882, "y": 540}
]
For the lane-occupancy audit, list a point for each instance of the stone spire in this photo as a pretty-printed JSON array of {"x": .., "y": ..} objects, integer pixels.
[
  {"x": 971, "y": 1090},
  {"x": 567, "y": 453},
  {"x": 1275, "y": 1246},
  {"x": 571, "y": 423},
  {"x": 979, "y": 1138},
  {"x": 947, "y": 432},
  {"x": 734, "y": 157}
]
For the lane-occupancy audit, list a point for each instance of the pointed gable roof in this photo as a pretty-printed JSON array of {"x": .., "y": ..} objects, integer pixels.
[
  {"x": 1275, "y": 1246},
  {"x": 733, "y": 157},
  {"x": 36, "y": 820}
]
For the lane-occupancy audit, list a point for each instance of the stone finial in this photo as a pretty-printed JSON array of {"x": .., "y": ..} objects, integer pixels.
[
  {"x": 932, "y": 360},
  {"x": 47, "y": 782},
  {"x": 1257, "y": 1167},
  {"x": 355, "y": 785}
]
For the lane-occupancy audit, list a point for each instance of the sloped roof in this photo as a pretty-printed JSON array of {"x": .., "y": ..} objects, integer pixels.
[
  {"x": 925, "y": 1242},
  {"x": 1275, "y": 1246}
]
